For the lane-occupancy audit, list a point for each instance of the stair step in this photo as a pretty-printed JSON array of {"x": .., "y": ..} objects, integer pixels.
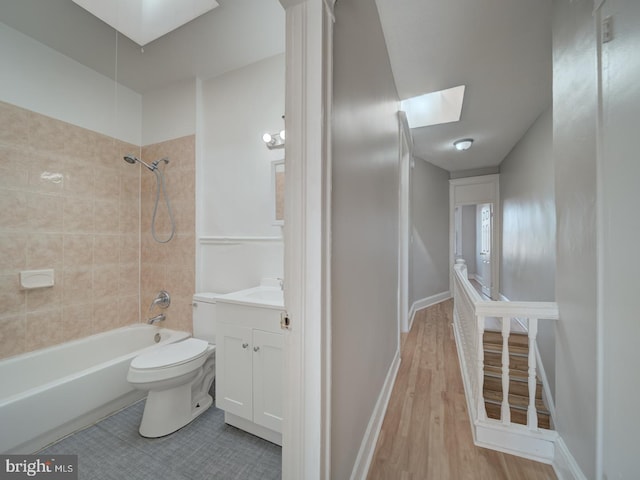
[
  {"x": 515, "y": 400},
  {"x": 517, "y": 386},
  {"x": 516, "y": 361},
  {"x": 518, "y": 415},
  {"x": 518, "y": 379},
  {"x": 518, "y": 342},
  {"x": 514, "y": 374}
]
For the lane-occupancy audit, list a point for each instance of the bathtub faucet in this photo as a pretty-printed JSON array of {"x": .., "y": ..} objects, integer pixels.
[
  {"x": 163, "y": 300},
  {"x": 156, "y": 319}
]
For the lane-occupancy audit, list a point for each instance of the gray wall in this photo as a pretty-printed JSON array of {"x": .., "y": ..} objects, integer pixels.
[
  {"x": 429, "y": 253},
  {"x": 364, "y": 277},
  {"x": 574, "y": 151},
  {"x": 620, "y": 264},
  {"x": 528, "y": 263}
]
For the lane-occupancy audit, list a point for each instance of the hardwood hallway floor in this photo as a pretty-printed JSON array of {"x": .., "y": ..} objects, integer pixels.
[{"x": 426, "y": 433}]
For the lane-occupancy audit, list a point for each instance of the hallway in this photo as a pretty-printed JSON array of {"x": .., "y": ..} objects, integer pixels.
[{"x": 426, "y": 432}]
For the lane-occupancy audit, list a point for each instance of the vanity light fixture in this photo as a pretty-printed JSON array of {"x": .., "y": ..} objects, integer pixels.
[
  {"x": 274, "y": 140},
  {"x": 463, "y": 144}
]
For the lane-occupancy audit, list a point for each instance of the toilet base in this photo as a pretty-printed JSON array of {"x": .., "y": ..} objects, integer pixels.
[
  {"x": 169, "y": 410},
  {"x": 162, "y": 416}
]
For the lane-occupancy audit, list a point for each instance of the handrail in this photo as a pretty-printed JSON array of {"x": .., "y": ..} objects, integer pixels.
[{"x": 470, "y": 313}]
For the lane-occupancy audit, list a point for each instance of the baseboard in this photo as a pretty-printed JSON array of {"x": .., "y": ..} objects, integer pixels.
[
  {"x": 426, "y": 302},
  {"x": 517, "y": 440},
  {"x": 564, "y": 464},
  {"x": 370, "y": 439}
]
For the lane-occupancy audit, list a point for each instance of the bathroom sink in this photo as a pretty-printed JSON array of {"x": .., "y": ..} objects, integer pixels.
[{"x": 270, "y": 297}]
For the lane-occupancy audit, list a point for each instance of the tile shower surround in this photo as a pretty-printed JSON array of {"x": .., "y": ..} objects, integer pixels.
[{"x": 69, "y": 202}]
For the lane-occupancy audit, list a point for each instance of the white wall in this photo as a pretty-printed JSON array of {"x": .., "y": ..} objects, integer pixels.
[
  {"x": 574, "y": 151},
  {"x": 40, "y": 79},
  {"x": 169, "y": 112},
  {"x": 430, "y": 231},
  {"x": 620, "y": 224},
  {"x": 364, "y": 277},
  {"x": 528, "y": 263},
  {"x": 234, "y": 166}
]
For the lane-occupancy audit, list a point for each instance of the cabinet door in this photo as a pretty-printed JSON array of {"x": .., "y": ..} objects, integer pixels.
[
  {"x": 268, "y": 373},
  {"x": 233, "y": 370}
]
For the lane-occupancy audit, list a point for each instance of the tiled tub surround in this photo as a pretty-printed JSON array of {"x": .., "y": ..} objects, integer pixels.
[
  {"x": 170, "y": 266},
  {"x": 69, "y": 202}
]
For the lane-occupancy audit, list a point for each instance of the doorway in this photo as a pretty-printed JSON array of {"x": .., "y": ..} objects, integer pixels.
[{"x": 474, "y": 229}]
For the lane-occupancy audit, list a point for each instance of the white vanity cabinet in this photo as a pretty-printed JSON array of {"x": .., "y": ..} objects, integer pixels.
[{"x": 249, "y": 368}]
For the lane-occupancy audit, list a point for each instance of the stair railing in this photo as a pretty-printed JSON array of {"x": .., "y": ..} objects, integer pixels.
[{"x": 471, "y": 313}]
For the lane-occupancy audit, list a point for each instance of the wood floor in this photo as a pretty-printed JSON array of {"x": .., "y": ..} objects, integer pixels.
[{"x": 426, "y": 432}]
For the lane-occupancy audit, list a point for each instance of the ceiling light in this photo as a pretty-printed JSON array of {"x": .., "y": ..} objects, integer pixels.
[
  {"x": 146, "y": 20},
  {"x": 463, "y": 144}
]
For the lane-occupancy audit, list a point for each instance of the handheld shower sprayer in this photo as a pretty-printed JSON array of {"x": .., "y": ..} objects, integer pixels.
[
  {"x": 154, "y": 165},
  {"x": 159, "y": 186}
]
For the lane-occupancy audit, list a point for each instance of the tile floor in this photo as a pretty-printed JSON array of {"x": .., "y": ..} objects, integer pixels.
[{"x": 206, "y": 449}]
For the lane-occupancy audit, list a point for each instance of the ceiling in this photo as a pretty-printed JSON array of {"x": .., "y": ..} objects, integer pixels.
[
  {"x": 499, "y": 49},
  {"x": 235, "y": 34}
]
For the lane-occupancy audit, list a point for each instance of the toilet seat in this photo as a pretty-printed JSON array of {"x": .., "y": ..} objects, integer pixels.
[
  {"x": 171, "y": 355},
  {"x": 170, "y": 362}
]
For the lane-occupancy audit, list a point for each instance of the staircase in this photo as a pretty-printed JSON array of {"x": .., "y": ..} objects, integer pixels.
[{"x": 518, "y": 378}]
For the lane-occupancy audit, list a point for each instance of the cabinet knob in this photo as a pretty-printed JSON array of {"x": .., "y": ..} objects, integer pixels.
[
  {"x": 255, "y": 349},
  {"x": 245, "y": 345}
]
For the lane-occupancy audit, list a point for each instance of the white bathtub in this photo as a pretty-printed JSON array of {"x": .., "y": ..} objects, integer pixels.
[{"x": 49, "y": 393}]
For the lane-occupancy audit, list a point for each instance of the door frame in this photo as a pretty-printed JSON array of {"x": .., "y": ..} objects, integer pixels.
[
  {"x": 404, "y": 236},
  {"x": 306, "y": 432},
  {"x": 475, "y": 191}
]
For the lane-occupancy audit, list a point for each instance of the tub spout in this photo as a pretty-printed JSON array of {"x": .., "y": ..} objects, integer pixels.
[{"x": 156, "y": 319}]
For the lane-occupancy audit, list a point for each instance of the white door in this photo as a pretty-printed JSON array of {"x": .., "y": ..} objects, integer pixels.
[
  {"x": 268, "y": 365},
  {"x": 486, "y": 226}
]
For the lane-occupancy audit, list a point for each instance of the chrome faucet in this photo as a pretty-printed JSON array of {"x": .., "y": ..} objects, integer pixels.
[
  {"x": 163, "y": 300},
  {"x": 156, "y": 319}
]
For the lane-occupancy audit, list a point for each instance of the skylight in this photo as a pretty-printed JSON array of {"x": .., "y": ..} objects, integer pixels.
[
  {"x": 146, "y": 20},
  {"x": 443, "y": 106}
]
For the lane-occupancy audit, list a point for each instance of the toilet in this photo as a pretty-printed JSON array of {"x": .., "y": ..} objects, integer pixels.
[{"x": 178, "y": 376}]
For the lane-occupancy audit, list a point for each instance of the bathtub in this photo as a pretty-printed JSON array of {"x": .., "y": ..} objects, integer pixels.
[{"x": 50, "y": 393}]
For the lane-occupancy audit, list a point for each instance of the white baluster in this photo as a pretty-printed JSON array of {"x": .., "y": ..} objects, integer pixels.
[
  {"x": 532, "y": 413},
  {"x": 505, "y": 411},
  {"x": 482, "y": 411}
]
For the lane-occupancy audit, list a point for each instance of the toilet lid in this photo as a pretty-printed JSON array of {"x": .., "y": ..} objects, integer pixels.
[{"x": 171, "y": 354}]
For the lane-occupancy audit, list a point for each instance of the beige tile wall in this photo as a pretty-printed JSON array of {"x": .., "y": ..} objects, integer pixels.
[
  {"x": 170, "y": 266},
  {"x": 68, "y": 202}
]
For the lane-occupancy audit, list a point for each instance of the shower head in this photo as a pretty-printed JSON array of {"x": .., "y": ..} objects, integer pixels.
[{"x": 132, "y": 160}]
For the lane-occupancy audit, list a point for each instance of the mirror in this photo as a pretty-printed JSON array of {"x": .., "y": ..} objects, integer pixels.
[{"x": 277, "y": 188}]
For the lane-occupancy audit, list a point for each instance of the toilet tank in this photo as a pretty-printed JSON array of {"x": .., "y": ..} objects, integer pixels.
[{"x": 204, "y": 316}]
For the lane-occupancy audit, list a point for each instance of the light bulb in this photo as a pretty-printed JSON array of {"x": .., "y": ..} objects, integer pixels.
[
  {"x": 282, "y": 135},
  {"x": 267, "y": 138},
  {"x": 463, "y": 144}
]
